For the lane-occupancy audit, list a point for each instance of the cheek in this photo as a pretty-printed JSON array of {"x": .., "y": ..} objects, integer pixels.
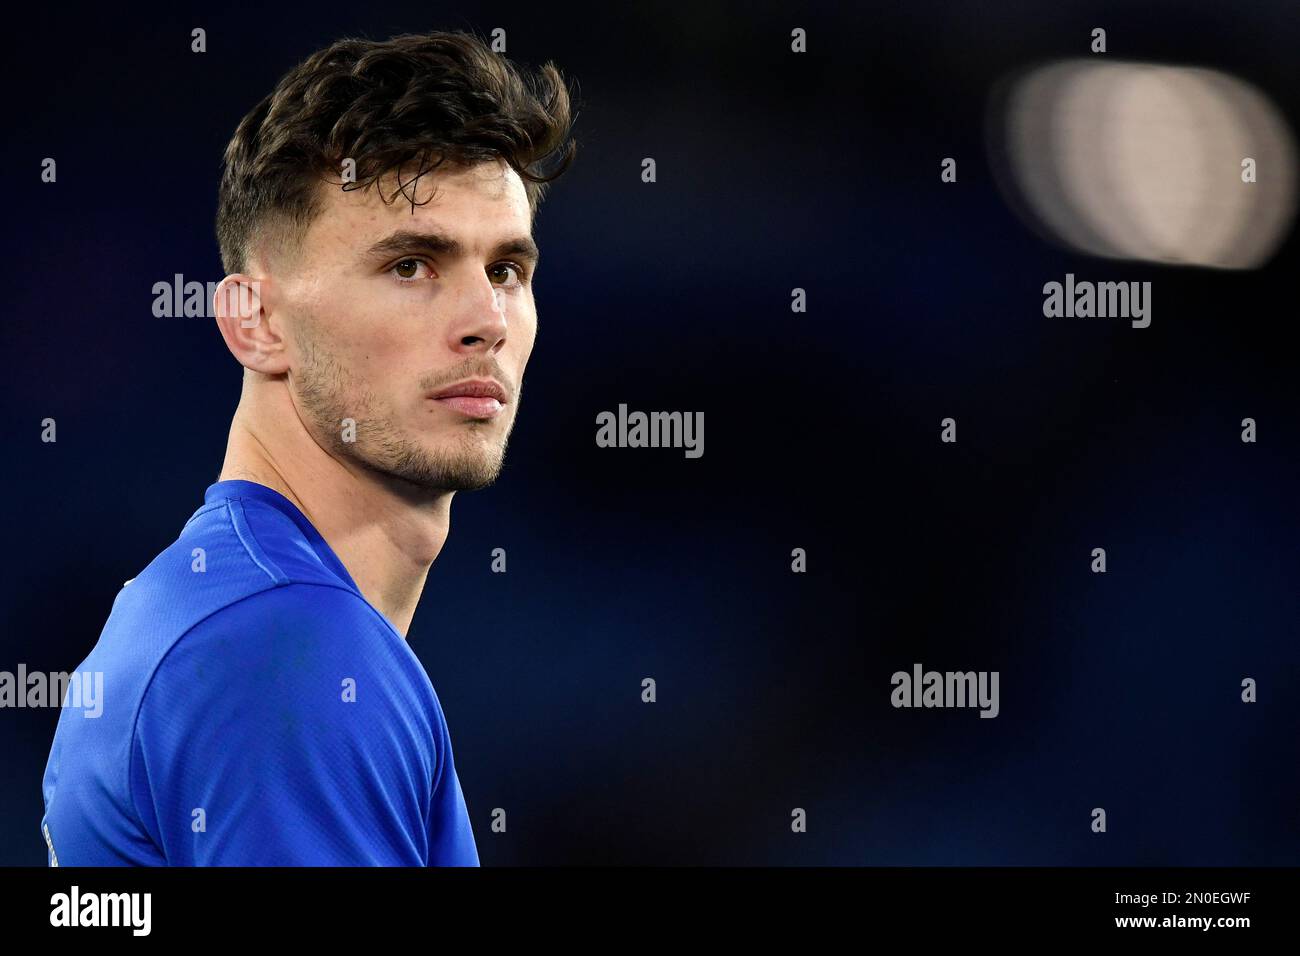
[
  {"x": 526, "y": 339},
  {"x": 372, "y": 344}
]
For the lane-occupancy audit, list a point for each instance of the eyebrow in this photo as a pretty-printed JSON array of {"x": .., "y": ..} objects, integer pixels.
[{"x": 405, "y": 241}]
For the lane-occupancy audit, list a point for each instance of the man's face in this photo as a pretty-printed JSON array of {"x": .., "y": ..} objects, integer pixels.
[{"x": 387, "y": 308}]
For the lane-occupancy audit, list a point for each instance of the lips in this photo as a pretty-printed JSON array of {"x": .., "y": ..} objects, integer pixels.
[
  {"x": 475, "y": 388},
  {"x": 476, "y": 398}
]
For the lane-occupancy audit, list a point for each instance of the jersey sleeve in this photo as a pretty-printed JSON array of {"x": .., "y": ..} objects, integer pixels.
[
  {"x": 292, "y": 728},
  {"x": 451, "y": 838}
]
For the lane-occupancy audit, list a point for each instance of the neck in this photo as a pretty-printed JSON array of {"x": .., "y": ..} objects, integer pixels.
[{"x": 386, "y": 532}]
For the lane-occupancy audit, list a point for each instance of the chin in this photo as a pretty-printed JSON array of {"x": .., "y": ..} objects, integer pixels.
[{"x": 466, "y": 472}]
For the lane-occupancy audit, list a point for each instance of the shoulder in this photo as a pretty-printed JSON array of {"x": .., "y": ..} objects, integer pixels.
[
  {"x": 245, "y": 539},
  {"x": 300, "y": 643},
  {"x": 233, "y": 556},
  {"x": 301, "y": 698}
]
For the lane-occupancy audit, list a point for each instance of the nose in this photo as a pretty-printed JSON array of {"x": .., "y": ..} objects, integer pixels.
[{"x": 479, "y": 320}]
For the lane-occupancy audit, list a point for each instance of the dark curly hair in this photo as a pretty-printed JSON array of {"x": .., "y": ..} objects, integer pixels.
[{"x": 417, "y": 98}]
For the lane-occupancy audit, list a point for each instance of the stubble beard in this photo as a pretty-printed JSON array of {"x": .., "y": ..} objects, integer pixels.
[{"x": 328, "y": 394}]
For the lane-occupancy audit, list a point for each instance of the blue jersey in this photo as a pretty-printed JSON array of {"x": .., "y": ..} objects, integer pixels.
[{"x": 256, "y": 710}]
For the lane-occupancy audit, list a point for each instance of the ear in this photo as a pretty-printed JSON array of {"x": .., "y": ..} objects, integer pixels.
[{"x": 244, "y": 318}]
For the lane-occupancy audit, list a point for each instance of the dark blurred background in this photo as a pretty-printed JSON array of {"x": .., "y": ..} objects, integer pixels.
[{"x": 775, "y": 171}]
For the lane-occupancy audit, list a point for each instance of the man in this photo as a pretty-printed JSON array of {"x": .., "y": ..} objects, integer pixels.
[{"x": 261, "y": 705}]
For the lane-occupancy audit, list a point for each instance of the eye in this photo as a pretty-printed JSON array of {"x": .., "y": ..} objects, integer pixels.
[
  {"x": 408, "y": 270},
  {"x": 503, "y": 270}
]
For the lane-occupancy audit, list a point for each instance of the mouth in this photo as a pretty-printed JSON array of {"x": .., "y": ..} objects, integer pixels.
[{"x": 482, "y": 399}]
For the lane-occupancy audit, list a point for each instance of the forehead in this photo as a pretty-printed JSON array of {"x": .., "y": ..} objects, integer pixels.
[{"x": 481, "y": 202}]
